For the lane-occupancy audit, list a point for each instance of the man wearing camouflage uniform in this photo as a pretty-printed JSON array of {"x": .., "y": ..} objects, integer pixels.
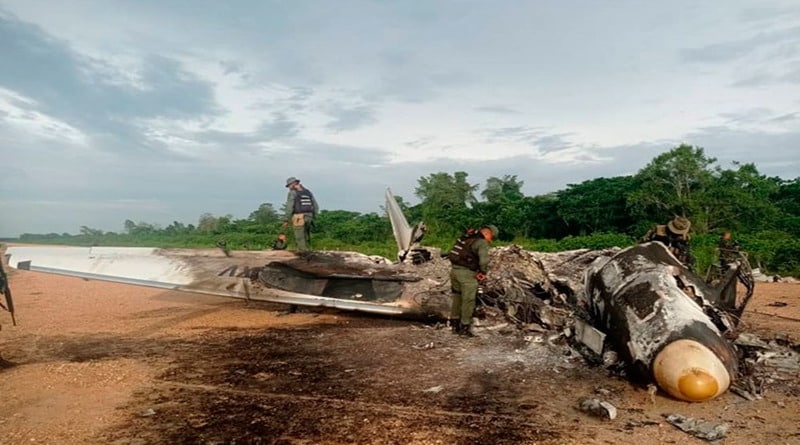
[
  {"x": 301, "y": 209},
  {"x": 470, "y": 263},
  {"x": 728, "y": 251},
  {"x": 674, "y": 235}
]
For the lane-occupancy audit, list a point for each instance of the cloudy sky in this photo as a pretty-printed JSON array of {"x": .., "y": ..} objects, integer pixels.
[{"x": 158, "y": 111}]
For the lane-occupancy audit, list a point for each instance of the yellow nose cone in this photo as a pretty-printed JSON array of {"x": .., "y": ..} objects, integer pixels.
[
  {"x": 697, "y": 385},
  {"x": 688, "y": 370}
]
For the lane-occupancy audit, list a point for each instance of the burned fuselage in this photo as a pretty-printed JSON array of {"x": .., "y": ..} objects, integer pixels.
[{"x": 662, "y": 319}]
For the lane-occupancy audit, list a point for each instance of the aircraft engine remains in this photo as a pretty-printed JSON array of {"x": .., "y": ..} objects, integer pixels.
[{"x": 639, "y": 298}]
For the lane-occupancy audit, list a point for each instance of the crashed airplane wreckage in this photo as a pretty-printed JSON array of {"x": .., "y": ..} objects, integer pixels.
[
  {"x": 665, "y": 321},
  {"x": 343, "y": 280},
  {"x": 640, "y": 302}
]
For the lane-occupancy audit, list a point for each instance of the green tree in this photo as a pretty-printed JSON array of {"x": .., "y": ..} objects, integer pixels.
[
  {"x": 265, "y": 214},
  {"x": 175, "y": 229},
  {"x": 541, "y": 219},
  {"x": 140, "y": 228},
  {"x": 445, "y": 200},
  {"x": 207, "y": 223},
  {"x": 503, "y": 206},
  {"x": 787, "y": 199},
  {"x": 671, "y": 185},
  {"x": 88, "y": 231},
  {"x": 740, "y": 200},
  {"x": 507, "y": 187},
  {"x": 596, "y": 205}
]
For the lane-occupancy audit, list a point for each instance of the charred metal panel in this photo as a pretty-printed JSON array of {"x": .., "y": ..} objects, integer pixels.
[{"x": 282, "y": 276}]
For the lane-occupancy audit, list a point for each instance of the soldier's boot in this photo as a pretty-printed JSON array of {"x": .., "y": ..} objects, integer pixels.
[
  {"x": 455, "y": 325},
  {"x": 466, "y": 330}
]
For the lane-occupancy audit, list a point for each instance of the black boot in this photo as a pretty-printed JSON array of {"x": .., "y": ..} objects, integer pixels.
[
  {"x": 466, "y": 330},
  {"x": 455, "y": 325}
]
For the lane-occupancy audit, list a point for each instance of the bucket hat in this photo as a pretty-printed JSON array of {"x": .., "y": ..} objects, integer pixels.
[{"x": 679, "y": 225}]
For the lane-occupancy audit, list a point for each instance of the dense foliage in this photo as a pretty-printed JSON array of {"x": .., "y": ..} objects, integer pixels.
[{"x": 762, "y": 212}]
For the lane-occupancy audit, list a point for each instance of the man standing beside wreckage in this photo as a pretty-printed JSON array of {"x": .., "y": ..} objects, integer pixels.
[
  {"x": 674, "y": 235},
  {"x": 470, "y": 263},
  {"x": 301, "y": 208}
]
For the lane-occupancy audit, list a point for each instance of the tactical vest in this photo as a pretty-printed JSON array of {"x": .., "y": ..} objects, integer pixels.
[
  {"x": 462, "y": 254},
  {"x": 304, "y": 202}
]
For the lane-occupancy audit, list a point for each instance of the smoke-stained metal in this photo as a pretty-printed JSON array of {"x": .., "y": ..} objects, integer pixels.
[{"x": 660, "y": 318}]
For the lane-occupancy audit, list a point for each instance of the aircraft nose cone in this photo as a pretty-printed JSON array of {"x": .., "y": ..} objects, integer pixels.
[
  {"x": 698, "y": 385},
  {"x": 688, "y": 370}
]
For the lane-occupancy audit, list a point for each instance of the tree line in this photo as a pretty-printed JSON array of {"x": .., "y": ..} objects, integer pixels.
[{"x": 762, "y": 212}]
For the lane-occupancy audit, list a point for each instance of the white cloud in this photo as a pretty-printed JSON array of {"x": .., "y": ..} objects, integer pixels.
[
  {"x": 19, "y": 113},
  {"x": 227, "y": 99}
]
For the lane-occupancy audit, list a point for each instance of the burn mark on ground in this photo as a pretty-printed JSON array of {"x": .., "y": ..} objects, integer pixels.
[{"x": 354, "y": 383}]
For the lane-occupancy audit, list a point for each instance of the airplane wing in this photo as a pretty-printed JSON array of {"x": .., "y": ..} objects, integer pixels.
[{"x": 343, "y": 280}]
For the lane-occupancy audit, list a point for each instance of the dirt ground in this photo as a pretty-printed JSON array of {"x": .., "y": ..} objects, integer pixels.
[{"x": 116, "y": 364}]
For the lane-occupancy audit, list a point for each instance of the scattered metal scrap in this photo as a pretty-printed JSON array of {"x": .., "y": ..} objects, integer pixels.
[
  {"x": 764, "y": 362},
  {"x": 699, "y": 428},
  {"x": 598, "y": 408}
]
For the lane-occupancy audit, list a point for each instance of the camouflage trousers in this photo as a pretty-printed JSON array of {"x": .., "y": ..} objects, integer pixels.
[
  {"x": 302, "y": 231},
  {"x": 465, "y": 287}
]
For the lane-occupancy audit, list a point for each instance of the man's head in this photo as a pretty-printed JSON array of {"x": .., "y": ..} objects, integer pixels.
[
  {"x": 282, "y": 237},
  {"x": 679, "y": 225},
  {"x": 291, "y": 181},
  {"x": 490, "y": 232},
  {"x": 726, "y": 236}
]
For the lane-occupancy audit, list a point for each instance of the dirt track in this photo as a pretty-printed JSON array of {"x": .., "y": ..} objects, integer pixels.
[{"x": 109, "y": 363}]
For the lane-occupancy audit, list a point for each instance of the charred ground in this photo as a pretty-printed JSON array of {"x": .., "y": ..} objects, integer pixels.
[{"x": 363, "y": 381}]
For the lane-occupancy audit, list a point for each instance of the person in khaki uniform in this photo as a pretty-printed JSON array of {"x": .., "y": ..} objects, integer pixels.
[
  {"x": 470, "y": 263},
  {"x": 728, "y": 250},
  {"x": 280, "y": 242},
  {"x": 674, "y": 235},
  {"x": 301, "y": 209}
]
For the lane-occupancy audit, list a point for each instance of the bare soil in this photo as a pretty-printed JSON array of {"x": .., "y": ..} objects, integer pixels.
[{"x": 116, "y": 364}]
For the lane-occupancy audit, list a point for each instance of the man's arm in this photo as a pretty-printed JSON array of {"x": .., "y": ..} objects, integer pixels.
[
  {"x": 289, "y": 207},
  {"x": 482, "y": 250},
  {"x": 316, "y": 206}
]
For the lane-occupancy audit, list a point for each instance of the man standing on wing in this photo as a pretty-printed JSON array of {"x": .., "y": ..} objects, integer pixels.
[{"x": 301, "y": 208}]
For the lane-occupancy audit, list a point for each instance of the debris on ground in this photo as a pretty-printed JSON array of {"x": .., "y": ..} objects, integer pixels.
[
  {"x": 764, "y": 362},
  {"x": 598, "y": 408},
  {"x": 699, "y": 428},
  {"x": 537, "y": 297}
]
